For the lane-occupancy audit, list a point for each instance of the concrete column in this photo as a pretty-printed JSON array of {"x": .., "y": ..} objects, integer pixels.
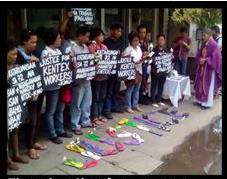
[
  {"x": 155, "y": 26},
  {"x": 24, "y": 22},
  {"x": 103, "y": 18}
]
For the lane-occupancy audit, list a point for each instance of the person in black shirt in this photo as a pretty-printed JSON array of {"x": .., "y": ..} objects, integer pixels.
[
  {"x": 142, "y": 30},
  {"x": 12, "y": 52},
  {"x": 160, "y": 68},
  {"x": 113, "y": 86}
]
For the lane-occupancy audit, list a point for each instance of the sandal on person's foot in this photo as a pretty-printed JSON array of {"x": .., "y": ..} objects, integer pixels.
[
  {"x": 20, "y": 159},
  {"x": 102, "y": 119},
  {"x": 91, "y": 125},
  {"x": 78, "y": 132},
  {"x": 39, "y": 146},
  {"x": 12, "y": 165},
  {"x": 96, "y": 121},
  {"x": 33, "y": 154}
]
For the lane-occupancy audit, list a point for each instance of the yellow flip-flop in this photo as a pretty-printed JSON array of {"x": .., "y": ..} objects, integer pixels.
[
  {"x": 75, "y": 148},
  {"x": 123, "y": 121}
]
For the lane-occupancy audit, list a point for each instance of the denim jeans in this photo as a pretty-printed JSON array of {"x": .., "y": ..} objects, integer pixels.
[
  {"x": 53, "y": 110},
  {"x": 132, "y": 96},
  {"x": 181, "y": 66},
  {"x": 80, "y": 106},
  {"x": 98, "y": 97},
  {"x": 157, "y": 82},
  {"x": 144, "y": 78},
  {"x": 113, "y": 88}
]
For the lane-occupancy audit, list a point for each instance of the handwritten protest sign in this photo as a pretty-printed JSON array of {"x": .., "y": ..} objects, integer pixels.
[
  {"x": 83, "y": 15},
  {"x": 85, "y": 66},
  {"x": 15, "y": 108},
  {"x": 27, "y": 80},
  {"x": 126, "y": 69},
  {"x": 163, "y": 63},
  {"x": 56, "y": 71},
  {"x": 108, "y": 62}
]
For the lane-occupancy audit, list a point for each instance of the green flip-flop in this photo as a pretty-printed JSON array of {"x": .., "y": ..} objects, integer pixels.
[
  {"x": 92, "y": 137},
  {"x": 130, "y": 123},
  {"x": 72, "y": 163}
]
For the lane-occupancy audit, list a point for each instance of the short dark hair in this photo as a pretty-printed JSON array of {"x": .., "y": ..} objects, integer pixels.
[
  {"x": 26, "y": 35},
  {"x": 141, "y": 26},
  {"x": 160, "y": 35},
  {"x": 208, "y": 31},
  {"x": 184, "y": 29},
  {"x": 82, "y": 30},
  {"x": 115, "y": 26},
  {"x": 50, "y": 36},
  {"x": 216, "y": 29},
  {"x": 94, "y": 32},
  {"x": 132, "y": 35},
  {"x": 10, "y": 46}
]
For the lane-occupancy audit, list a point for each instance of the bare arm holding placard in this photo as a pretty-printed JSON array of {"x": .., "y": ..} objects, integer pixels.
[{"x": 63, "y": 26}]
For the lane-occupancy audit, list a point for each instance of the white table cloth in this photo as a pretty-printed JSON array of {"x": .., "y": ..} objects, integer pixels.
[{"x": 175, "y": 88}]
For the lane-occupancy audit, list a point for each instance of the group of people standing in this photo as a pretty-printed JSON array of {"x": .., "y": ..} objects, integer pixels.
[{"x": 93, "y": 102}]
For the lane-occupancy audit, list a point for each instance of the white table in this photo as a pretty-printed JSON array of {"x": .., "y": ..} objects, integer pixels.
[{"x": 174, "y": 89}]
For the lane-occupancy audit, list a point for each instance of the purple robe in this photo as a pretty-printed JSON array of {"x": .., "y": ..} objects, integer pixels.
[{"x": 213, "y": 62}]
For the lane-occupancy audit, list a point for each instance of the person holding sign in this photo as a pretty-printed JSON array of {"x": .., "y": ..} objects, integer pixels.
[
  {"x": 13, "y": 135},
  {"x": 209, "y": 71},
  {"x": 66, "y": 34},
  {"x": 132, "y": 91},
  {"x": 54, "y": 105},
  {"x": 143, "y": 43},
  {"x": 113, "y": 85},
  {"x": 81, "y": 89},
  {"x": 27, "y": 54},
  {"x": 160, "y": 68},
  {"x": 99, "y": 83}
]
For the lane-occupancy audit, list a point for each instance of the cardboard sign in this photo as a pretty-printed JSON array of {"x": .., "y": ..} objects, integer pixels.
[
  {"x": 163, "y": 63},
  {"x": 56, "y": 71},
  {"x": 107, "y": 61},
  {"x": 126, "y": 69},
  {"x": 15, "y": 108},
  {"x": 83, "y": 15},
  {"x": 27, "y": 80},
  {"x": 85, "y": 66}
]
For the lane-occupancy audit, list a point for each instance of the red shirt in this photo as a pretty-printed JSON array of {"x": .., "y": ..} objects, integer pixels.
[{"x": 93, "y": 49}]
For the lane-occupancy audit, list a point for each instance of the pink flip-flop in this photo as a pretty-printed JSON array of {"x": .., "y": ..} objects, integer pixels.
[
  {"x": 120, "y": 147},
  {"x": 93, "y": 163},
  {"x": 111, "y": 133}
]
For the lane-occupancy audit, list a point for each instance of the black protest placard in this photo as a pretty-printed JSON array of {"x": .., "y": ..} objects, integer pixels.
[
  {"x": 85, "y": 66},
  {"x": 126, "y": 69},
  {"x": 83, "y": 15},
  {"x": 55, "y": 71},
  {"x": 15, "y": 108},
  {"x": 27, "y": 80},
  {"x": 163, "y": 63},
  {"x": 107, "y": 61}
]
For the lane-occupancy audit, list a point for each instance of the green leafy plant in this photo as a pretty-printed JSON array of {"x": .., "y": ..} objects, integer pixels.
[{"x": 203, "y": 17}]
